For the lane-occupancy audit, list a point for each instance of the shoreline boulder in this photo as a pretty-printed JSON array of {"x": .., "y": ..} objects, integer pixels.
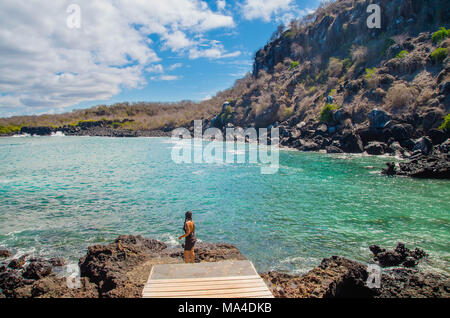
[{"x": 401, "y": 255}]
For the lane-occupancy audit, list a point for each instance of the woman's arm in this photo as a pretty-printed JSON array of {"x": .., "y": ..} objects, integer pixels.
[{"x": 189, "y": 231}]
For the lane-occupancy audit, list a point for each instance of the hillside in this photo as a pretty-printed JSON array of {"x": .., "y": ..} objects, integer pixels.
[{"x": 327, "y": 70}]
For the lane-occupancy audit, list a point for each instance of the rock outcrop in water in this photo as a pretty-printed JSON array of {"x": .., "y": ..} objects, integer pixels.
[
  {"x": 339, "y": 277},
  {"x": 334, "y": 277},
  {"x": 401, "y": 255},
  {"x": 37, "y": 279},
  {"x": 427, "y": 162},
  {"x": 5, "y": 253}
]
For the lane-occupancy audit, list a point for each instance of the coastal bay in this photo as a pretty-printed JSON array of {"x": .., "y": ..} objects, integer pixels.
[{"x": 63, "y": 194}]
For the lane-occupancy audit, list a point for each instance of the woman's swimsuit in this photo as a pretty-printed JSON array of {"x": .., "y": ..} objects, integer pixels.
[{"x": 190, "y": 239}]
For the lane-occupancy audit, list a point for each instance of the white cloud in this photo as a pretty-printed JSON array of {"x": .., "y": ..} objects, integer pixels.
[
  {"x": 174, "y": 66},
  {"x": 221, "y": 4},
  {"x": 155, "y": 68},
  {"x": 165, "y": 78},
  {"x": 211, "y": 50},
  {"x": 177, "y": 40},
  {"x": 44, "y": 64},
  {"x": 265, "y": 9},
  {"x": 169, "y": 77}
]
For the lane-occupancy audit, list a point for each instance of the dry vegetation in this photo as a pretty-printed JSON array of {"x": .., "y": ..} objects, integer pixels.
[{"x": 141, "y": 115}]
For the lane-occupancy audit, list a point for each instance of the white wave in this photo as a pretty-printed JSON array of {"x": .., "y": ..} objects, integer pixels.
[
  {"x": 57, "y": 134},
  {"x": 21, "y": 135},
  {"x": 170, "y": 239}
]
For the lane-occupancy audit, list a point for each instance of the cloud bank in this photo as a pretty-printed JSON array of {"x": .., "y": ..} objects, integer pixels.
[{"x": 45, "y": 64}]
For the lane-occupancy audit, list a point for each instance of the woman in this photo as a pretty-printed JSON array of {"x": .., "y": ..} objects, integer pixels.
[{"x": 189, "y": 229}]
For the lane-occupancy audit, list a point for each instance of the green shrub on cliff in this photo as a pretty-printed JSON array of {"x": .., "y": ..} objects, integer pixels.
[
  {"x": 446, "y": 124},
  {"x": 226, "y": 115},
  {"x": 387, "y": 44},
  {"x": 294, "y": 65},
  {"x": 440, "y": 35},
  {"x": 401, "y": 54},
  {"x": 326, "y": 113},
  {"x": 439, "y": 55},
  {"x": 347, "y": 63},
  {"x": 370, "y": 72},
  {"x": 9, "y": 129}
]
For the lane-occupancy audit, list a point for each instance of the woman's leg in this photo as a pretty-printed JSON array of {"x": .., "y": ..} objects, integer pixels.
[
  {"x": 192, "y": 255},
  {"x": 186, "y": 256}
]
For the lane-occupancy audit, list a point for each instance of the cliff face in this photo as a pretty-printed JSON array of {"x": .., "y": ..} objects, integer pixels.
[
  {"x": 332, "y": 57},
  {"x": 330, "y": 83},
  {"x": 331, "y": 30}
]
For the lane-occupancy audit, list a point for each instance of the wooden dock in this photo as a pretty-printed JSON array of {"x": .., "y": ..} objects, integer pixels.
[{"x": 226, "y": 279}]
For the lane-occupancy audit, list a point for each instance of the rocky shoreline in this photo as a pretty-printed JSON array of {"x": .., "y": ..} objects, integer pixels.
[
  {"x": 409, "y": 136},
  {"x": 121, "y": 268}
]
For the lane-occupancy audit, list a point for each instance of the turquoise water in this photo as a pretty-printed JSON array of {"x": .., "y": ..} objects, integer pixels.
[{"x": 59, "y": 195}]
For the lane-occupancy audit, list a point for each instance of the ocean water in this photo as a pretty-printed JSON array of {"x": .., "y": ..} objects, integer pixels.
[{"x": 59, "y": 195}]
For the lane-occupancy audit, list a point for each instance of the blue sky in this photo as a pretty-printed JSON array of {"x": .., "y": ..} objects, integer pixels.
[{"x": 129, "y": 50}]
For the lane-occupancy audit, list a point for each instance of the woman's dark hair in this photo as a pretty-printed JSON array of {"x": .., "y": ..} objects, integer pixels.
[{"x": 187, "y": 217}]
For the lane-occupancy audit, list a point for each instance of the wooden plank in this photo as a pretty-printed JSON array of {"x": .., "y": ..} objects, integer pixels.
[
  {"x": 259, "y": 294},
  {"x": 203, "y": 287},
  {"x": 163, "y": 281},
  {"x": 207, "y": 292},
  {"x": 151, "y": 273},
  {"x": 201, "y": 283},
  {"x": 207, "y": 287}
]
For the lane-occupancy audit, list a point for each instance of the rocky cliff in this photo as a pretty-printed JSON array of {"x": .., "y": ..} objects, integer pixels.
[{"x": 332, "y": 84}]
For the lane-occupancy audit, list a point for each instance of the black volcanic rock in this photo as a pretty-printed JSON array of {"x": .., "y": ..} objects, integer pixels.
[
  {"x": 9, "y": 281},
  {"x": 40, "y": 131},
  {"x": 412, "y": 283},
  {"x": 37, "y": 270},
  {"x": 335, "y": 277},
  {"x": 210, "y": 252},
  {"x": 57, "y": 261},
  {"x": 351, "y": 142},
  {"x": 401, "y": 255},
  {"x": 437, "y": 136},
  {"x": 375, "y": 148},
  {"x": 105, "y": 265},
  {"x": 378, "y": 118},
  {"x": 17, "y": 263},
  {"x": 5, "y": 253}
]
